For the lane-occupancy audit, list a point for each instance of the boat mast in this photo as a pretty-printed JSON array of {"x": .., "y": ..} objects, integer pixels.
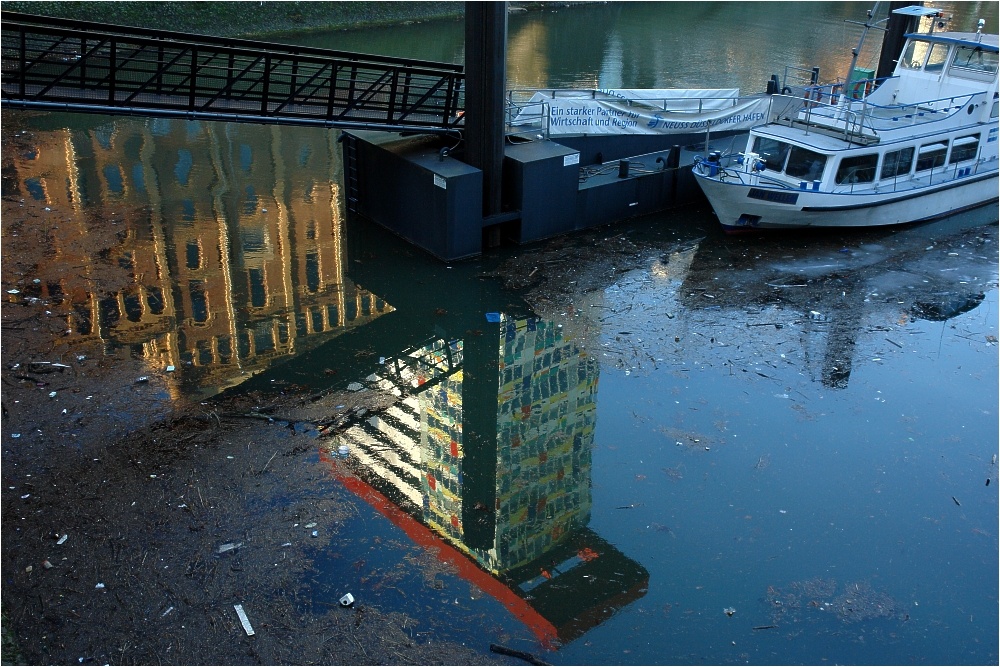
[{"x": 864, "y": 33}]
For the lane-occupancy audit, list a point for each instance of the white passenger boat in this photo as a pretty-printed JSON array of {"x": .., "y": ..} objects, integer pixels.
[{"x": 919, "y": 145}]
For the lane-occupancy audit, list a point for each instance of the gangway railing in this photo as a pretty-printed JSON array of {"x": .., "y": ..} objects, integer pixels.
[{"x": 90, "y": 67}]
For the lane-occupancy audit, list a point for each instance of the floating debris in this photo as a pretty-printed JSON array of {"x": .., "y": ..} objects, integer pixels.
[
  {"x": 347, "y": 600},
  {"x": 856, "y": 602},
  {"x": 729, "y": 611},
  {"x": 956, "y": 501},
  {"x": 243, "y": 619}
]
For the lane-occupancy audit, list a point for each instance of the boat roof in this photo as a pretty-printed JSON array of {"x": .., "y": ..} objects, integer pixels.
[
  {"x": 916, "y": 10},
  {"x": 987, "y": 42}
]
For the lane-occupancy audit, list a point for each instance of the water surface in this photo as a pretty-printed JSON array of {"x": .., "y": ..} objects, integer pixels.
[{"x": 798, "y": 428}]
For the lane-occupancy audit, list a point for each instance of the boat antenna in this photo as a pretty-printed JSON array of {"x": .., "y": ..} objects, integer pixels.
[{"x": 868, "y": 25}]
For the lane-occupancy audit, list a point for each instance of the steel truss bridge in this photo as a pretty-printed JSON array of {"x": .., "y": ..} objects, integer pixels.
[{"x": 64, "y": 65}]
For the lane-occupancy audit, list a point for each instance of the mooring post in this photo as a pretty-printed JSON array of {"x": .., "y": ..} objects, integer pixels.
[{"x": 485, "y": 76}]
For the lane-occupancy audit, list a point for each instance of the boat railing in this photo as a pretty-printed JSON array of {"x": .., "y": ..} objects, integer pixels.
[
  {"x": 827, "y": 107},
  {"x": 730, "y": 166},
  {"x": 532, "y": 119}
]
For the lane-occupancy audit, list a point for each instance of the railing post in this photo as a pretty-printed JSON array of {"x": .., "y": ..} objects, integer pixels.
[
  {"x": 83, "y": 62},
  {"x": 451, "y": 92},
  {"x": 23, "y": 49},
  {"x": 392, "y": 94},
  {"x": 112, "y": 71},
  {"x": 331, "y": 99},
  {"x": 267, "y": 84},
  {"x": 229, "y": 75},
  {"x": 159, "y": 70},
  {"x": 193, "y": 77}
]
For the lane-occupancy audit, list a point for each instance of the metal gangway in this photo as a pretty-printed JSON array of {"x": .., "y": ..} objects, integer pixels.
[{"x": 65, "y": 65}]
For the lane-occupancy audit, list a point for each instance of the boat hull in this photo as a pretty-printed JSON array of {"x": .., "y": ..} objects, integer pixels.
[{"x": 748, "y": 207}]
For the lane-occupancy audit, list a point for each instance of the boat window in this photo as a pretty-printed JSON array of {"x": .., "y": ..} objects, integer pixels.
[
  {"x": 805, "y": 164},
  {"x": 897, "y": 163},
  {"x": 937, "y": 58},
  {"x": 914, "y": 54},
  {"x": 772, "y": 151},
  {"x": 930, "y": 156},
  {"x": 857, "y": 169},
  {"x": 975, "y": 59},
  {"x": 964, "y": 148}
]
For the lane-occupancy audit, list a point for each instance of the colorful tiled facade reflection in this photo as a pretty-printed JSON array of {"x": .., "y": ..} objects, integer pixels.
[{"x": 545, "y": 429}]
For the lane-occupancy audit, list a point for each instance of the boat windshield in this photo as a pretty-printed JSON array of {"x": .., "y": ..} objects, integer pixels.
[
  {"x": 975, "y": 59},
  {"x": 795, "y": 161},
  {"x": 805, "y": 164}
]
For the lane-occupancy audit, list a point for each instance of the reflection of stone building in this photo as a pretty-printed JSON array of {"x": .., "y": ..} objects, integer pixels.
[
  {"x": 490, "y": 447},
  {"x": 229, "y": 236}
]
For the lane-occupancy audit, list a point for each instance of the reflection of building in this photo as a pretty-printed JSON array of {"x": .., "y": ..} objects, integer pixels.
[
  {"x": 219, "y": 287},
  {"x": 490, "y": 447}
]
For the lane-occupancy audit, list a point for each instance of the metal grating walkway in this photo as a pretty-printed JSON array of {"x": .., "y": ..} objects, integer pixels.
[{"x": 58, "y": 64}]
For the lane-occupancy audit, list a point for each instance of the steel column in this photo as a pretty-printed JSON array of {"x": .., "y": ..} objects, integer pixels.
[{"x": 486, "y": 74}]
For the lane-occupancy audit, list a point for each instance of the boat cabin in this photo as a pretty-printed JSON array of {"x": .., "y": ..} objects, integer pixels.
[{"x": 935, "y": 118}]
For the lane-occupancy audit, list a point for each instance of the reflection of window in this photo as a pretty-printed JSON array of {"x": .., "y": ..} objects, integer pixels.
[
  {"x": 138, "y": 177},
  {"x": 805, "y": 164},
  {"x": 35, "y": 189},
  {"x": 154, "y": 297},
  {"x": 964, "y": 148},
  {"x": 897, "y": 163},
  {"x": 930, "y": 156},
  {"x": 258, "y": 288},
  {"x": 246, "y": 157},
  {"x": 113, "y": 177},
  {"x": 857, "y": 169},
  {"x": 199, "y": 301},
  {"x": 224, "y": 347},
  {"x": 263, "y": 337},
  {"x": 774, "y": 152},
  {"x": 187, "y": 210},
  {"x": 108, "y": 311},
  {"x": 312, "y": 272},
  {"x": 182, "y": 170},
  {"x": 133, "y": 307},
  {"x": 193, "y": 255},
  {"x": 253, "y": 239},
  {"x": 250, "y": 203}
]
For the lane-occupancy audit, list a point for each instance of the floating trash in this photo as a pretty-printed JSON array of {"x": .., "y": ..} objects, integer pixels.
[
  {"x": 344, "y": 451},
  {"x": 243, "y": 619},
  {"x": 347, "y": 600},
  {"x": 729, "y": 611}
]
